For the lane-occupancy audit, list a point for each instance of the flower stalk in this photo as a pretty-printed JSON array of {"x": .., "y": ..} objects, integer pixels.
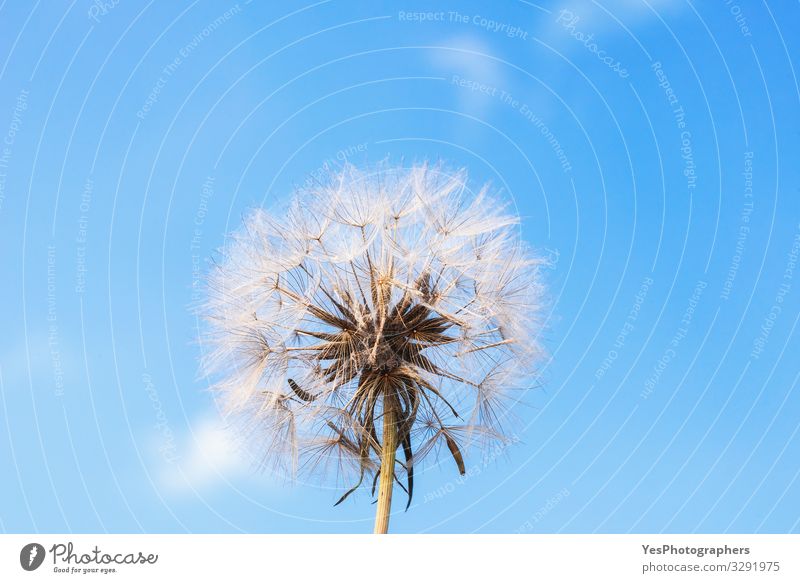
[{"x": 388, "y": 454}]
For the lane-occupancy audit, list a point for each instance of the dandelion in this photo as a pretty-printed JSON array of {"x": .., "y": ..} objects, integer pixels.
[{"x": 382, "y": 317}]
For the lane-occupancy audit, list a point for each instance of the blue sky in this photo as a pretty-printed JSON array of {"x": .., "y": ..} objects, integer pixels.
[{"x": 649, "y": 148}]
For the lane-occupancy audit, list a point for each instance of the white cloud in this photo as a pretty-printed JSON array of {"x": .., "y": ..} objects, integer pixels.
[
  {"x": 467, "y": 60},
  {"x": 41, "y": 364},
  {"x": 205, "y": 457}
]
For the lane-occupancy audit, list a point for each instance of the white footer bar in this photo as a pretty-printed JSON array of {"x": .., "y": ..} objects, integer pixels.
[{"x": 400, "y": 558}]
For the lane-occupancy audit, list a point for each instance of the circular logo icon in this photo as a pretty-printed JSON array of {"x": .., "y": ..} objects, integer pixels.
[{"x": 31, "y": 556}]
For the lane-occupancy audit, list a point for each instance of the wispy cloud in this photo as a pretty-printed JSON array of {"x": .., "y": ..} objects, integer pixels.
[
  {"x": 470, "y": 59},
  {"x": 206, "y": 457}
]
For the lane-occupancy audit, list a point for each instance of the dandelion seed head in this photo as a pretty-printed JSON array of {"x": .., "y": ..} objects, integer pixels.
[{"x": 395, "y": 283}]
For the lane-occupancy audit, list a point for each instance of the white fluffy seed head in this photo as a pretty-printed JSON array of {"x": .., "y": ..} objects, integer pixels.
[{"x": 394, "y": 280}]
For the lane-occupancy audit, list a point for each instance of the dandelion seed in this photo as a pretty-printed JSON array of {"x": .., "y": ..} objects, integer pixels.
[{"x": 383, "y": 314}]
